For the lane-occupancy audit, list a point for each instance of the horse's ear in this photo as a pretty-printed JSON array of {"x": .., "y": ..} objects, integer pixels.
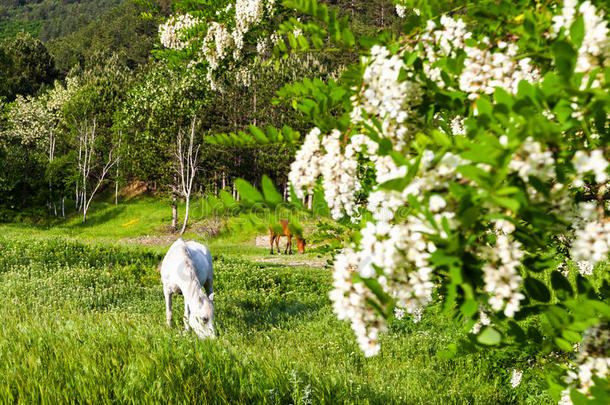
[{"x": 211, "y": 297}]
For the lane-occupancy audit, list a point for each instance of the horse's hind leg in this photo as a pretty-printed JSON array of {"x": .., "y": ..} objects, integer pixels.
[
  {"x": 168, "y": 307},
  {"x": 288, "y": 245},
  {"x": 277, "y": 243},
  {"x": 272, "y": 238}
]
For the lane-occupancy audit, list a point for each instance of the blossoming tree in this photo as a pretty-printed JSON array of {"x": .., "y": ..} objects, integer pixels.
[{"x": 484, "y": 131}]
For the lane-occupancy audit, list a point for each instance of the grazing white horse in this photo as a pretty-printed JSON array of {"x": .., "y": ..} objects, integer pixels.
[{"x": 186, "y": 267}]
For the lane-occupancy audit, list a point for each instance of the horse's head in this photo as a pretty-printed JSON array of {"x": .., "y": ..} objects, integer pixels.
[
  {"x": 201, "y": 318},
  {"x": 301, "y": 245}
]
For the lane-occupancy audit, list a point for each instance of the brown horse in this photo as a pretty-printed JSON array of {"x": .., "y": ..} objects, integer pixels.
[{"x": 286, "y": 232}]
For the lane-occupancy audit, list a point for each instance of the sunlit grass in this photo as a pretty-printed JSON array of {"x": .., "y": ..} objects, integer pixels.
[{"x": 84, "y": 322}]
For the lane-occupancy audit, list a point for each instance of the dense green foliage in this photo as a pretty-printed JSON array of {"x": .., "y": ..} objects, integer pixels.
[{"x": 47, "y": 19}]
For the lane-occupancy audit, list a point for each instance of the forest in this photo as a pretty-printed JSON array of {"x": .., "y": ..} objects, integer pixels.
[{"x": 100, "y": 76}]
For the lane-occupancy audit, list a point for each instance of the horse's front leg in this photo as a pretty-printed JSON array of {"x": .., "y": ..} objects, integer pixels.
[
  {"x": 272, "y": 238},
  {"x": 187, "y": 313},
  {"x": 168, "y": 307}
]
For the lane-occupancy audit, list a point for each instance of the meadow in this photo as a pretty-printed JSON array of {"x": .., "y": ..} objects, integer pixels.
[{"x": 83, "y": 321}]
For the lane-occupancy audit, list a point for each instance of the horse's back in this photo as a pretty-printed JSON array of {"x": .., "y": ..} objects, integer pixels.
[
  {"x": 174, "y": 258},
  {"x": 202, "y": 259}
]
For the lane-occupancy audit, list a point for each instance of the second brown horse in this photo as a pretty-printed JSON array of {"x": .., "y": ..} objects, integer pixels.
[{"x": 275, "y": 236}]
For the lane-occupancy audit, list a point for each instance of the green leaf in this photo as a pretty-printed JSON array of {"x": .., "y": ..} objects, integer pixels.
[
  {"x": 509, "y": 203},
  {"x": 489, "y": 336},
  {"x": 258, "y": 134},
  {"x": 563, "y": 344},
  {"x": 271, "y": 194},
  {"x": 449, "y": 353},
  {"x": 565, "y": 58},
  {"x": 571, "y": 336},
  {"x": 295, "y": 200},
  {"x": 376, "y": 289},
  {"x": 227, "y": 199},
  {"x": 484, "y": 106},
  {"x": 561, "y": 285},
  {"x": 469, "y": 308},
  {"x": 348, "y": 37},
  {"x": 577, "y": 31},
  {"x": 537, "y": 290},
  {"x": 247, "y": 192},
  {"x": 578, "y": 398},
  {"x": 319, "y": 205}
]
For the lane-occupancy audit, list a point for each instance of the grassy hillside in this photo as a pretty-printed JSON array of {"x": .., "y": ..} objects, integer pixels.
[{"x": 83, "y": 320}]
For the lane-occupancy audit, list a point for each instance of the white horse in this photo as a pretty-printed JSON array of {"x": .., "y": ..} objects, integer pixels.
[{"x": 186, "y": 267}]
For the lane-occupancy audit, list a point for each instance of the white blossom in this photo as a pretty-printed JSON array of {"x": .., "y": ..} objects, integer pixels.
[
  {"x": 171, "y": 34},
  {"x": 401, "y": 11},
  {"x": 515, "y": 379},
  {"x": 384, "y": 97},
  {"x": 501, "y": 275},
  {"x": 594, "y": 162},
  {"x": 596, "y": 40},
  {"x": 305, "y": 169},
  {"x": 485, "y": 70}
]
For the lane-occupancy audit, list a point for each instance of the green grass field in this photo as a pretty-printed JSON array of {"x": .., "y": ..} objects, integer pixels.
[{"x": 82, "y": 318}]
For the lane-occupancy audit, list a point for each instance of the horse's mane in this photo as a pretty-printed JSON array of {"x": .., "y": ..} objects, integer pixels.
[{"x": 188, "y": 262}]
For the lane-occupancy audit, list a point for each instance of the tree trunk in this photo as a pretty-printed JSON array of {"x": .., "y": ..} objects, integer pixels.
[
  {"x": 174, "y": 214},
  {"x": 186, "y": 215},
  {"x": 63, "y": 211},
  {"x": 26, "y": 175},
  {"x": 116, "y": 185}
]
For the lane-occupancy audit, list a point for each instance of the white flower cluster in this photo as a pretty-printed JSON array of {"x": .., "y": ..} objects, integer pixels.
[
  {"x": 349, "y": 303},
  {"x": 585, "y": 268},
  {"x": 171, "y": 33},
  {"x": 401, "y": 254},
  {"x": 442, "y": 41},
  {"x": 485, "y": 70},
  {"x": 384, "y": 97},
  {"x": 591, "y": 360},
  {"x": 397, "y": 254},
  {"x": 305, "y": 169},
  {"x": 591, "y": 244},
  {"x": 384, "y": 204},
  {"x": 216, "y": 44},
  {"x": 243, "y": 76},
  {"x": 336, "y": 164},
  {"x": 501, "y": 275},
  {"x": 247, "y": 13},
  {"x": 401, "y": 11},
  {"x": 262, "y": 46},
  {"x": 595, "y": 163},
  {"x": 515, "y": 379},
  {"x": 338, "y": 168},
  {"x": 483, "y": 321},
  {"x": 532, "y": 160},
  {"x": 596, "y": 41}
]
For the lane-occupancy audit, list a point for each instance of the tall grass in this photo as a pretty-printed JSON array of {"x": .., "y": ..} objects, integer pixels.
[{"x": 84, "y": 322}]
